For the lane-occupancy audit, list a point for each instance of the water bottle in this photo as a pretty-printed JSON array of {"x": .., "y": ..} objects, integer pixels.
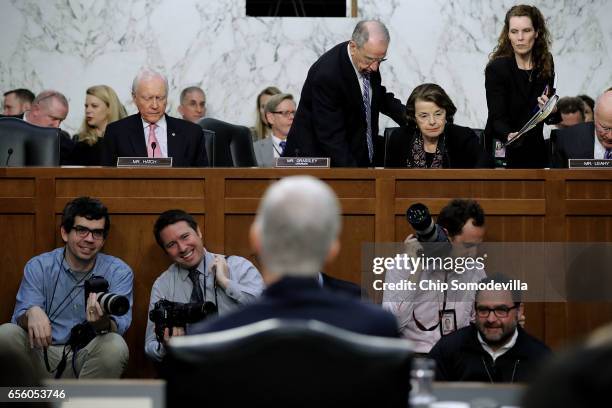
[{"x": 421, "y": 382}]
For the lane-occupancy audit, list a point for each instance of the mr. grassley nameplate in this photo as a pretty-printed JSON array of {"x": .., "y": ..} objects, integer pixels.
[
  {"x": 590, "y": 164},
  {"x": 144, "y": 162},
  {"x": 312, "y": 162}
]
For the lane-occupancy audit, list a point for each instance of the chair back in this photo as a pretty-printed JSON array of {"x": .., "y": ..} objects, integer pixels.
[
  {"x": 288, "y": 363},
  {"x": 24, "y": 144},
  {"x": 228, "y": 145}
]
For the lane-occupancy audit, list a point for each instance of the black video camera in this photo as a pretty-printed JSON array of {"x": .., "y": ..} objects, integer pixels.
[
  {"x": 111, "y": 303},
  {"x": 170, "y": 314}
]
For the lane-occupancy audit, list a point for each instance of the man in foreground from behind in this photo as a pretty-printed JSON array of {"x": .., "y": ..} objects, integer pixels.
[
  {"x": 295, "y": 234},
  {"x": 495, "y": 349}
]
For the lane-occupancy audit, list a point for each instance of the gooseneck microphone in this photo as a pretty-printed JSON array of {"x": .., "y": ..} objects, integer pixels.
[
  {"x": 153, "y": 146},
  {"x": 8, "y": 158}
]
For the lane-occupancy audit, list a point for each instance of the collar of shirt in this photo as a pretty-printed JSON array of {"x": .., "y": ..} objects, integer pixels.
[
  {"x": 276, "y": 144},
  {"x": 357, "y": 73},
  {"x": 598, "y": 150},
  {"x": 161, "y": 133},
  {"x": 500, "y": 351},
  {"x": 184, "y": 273}
]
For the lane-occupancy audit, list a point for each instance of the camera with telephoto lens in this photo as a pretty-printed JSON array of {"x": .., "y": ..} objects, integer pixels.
[
  {"x": 170, "y": 314},
  {"x": 426, "y": 230},
  {"x": 111, "y": 303}
]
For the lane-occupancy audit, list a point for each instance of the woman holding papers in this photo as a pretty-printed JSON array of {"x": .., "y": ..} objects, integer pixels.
[
  {"x": 430, "y": 139},
  {"x": 518, "y": 81}
]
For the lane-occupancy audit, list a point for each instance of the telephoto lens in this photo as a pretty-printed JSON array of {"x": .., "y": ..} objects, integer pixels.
[{"x": 111, "y": 303}]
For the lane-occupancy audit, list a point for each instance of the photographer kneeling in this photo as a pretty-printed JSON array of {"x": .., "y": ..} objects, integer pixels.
[
  {"x": 61, "y": 320},
  {"x": 197, "y": 285}
]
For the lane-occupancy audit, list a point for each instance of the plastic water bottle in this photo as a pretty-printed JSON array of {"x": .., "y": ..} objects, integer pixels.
[{"x": 421, "y": 383}]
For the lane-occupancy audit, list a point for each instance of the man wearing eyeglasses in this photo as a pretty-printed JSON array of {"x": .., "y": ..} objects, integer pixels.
[
  {"x": 51, "y": 301},
  {"x": 495, "y": 348},
  {"x": 337, "y": 116},
  {"x": 152, "y": 133},
  {"x": 590, "y": 140}
]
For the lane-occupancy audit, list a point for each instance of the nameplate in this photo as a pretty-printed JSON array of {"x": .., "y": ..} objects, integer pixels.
[
  {"x": 312, "y": 162},
  {"x": 590, "y": 164},
  {"x": 144, "y": 162}
]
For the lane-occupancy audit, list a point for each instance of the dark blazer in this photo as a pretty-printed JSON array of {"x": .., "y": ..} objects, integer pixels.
[
  {"x": 304, "y": 298},
  {"x": 459, "y": 145},
  {"x": 125, "y": 138},
  {"x": 341, "y": 286},
  {"x": 512, "y": 100},
  {"x": 460, "y": 357},
  {"x": 84, "y": 154},
  {"x": 575, "y": 142},
  {"x": 330, "y": 119}
]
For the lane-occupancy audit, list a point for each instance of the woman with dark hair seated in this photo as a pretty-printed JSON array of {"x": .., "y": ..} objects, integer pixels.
[{"x": 430, "y": 139}]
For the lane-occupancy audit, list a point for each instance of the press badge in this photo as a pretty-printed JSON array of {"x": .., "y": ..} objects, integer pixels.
[{"x": 448, "y": 321}]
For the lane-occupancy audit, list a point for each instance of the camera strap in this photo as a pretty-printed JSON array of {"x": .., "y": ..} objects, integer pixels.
[
  {"x": 440, "y": 312},
  {"x": 61, "y": 365}
]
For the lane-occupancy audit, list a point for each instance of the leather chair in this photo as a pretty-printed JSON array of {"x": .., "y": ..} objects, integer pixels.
[
  {"x": 228, "y": 145},
  {"x": 24, "y": 144},
  {"x": 288, "y": 363}
]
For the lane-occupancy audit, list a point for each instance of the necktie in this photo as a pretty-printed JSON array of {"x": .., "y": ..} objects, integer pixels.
[
  {"x": 196, "y": 293},
  {"x": 282, "y": 145},
  {"x": 368, "y": 113},
  {"x": 608, "y": 154},
  {"x": 153, "y": 139}
]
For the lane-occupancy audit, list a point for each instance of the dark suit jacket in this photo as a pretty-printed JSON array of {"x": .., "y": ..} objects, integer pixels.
[
  {"x": 576, "y": 142},
  {"x": 341, "y": 286},
  {"x": 125, "y": 138},
  {"x": 460, "y": 148},
  {"x": 511, "y": 100},
  {"x": 330, "y": 119},
  {"x": 303, "y": 298}
]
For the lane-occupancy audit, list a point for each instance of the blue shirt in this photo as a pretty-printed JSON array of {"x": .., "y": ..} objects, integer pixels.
[{"x": 49, "y": 283}]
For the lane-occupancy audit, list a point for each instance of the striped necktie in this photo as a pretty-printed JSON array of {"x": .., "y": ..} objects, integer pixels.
[{"x": 368, "y": 113}]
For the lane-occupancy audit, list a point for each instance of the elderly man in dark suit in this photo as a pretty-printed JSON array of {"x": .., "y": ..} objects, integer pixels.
[
  {"x": 152, "y": 133},
  {"x": 295, "y": 233},
  {"x": 590, "y": 140},
  {"x": 337, "y": 116}
]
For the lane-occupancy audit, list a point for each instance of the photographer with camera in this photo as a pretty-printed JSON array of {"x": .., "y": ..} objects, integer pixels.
[
  {"x": 62, "y": 319},
  {"x": 197, "y": 285},
  {"x": 424, "y": 316}
]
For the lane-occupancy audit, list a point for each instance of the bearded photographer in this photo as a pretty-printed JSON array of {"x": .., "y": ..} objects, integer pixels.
[
  {"x": 198, "y": 284},
  {"x": 62, "y": 330}
]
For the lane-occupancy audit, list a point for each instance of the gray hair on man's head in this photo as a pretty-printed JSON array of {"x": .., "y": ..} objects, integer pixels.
[
  {"x": 148, "y": 73},
  {"x": 365, "y": 28},
  {"x": 45, "y": 97},
  {"x": 298, "y": 220}
]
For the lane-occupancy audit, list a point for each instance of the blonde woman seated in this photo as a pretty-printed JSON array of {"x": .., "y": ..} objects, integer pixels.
[
  {"x": 279, "y": 113},
  {"x": 102, "y": 107},
  {"x": 430, "y": 139}
]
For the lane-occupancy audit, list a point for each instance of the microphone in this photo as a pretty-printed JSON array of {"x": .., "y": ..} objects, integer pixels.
[
  {"x": 8, "y": 158},
  {"x": 153, "y": 146}
]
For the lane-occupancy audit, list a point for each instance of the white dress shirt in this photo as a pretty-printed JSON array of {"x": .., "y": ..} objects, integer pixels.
[{"x": 161, "y": 133}]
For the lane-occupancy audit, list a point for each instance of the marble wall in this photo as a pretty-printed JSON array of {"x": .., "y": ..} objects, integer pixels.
[{"x": 72, "y": 44}]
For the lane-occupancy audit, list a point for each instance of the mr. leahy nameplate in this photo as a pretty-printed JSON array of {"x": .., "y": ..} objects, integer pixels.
[
  {"x": 590, "y": 164},
  {"x": 144, "y": 162},
  {"x": 312, "y": 162}
]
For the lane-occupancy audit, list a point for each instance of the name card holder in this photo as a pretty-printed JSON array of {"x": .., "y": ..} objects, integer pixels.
[
  {"x": 590, "y": 164},
  {"x": 144, "y": 162},
  {"x": 310, "y": 162}
]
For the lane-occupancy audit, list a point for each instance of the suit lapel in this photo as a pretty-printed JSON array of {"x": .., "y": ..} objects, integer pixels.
[
  {"x": 175, "y": 145},
  {"x": 352, "y": 80},
  {"x": 136, "y": 137},
  {"x": 268, "y": 154}
]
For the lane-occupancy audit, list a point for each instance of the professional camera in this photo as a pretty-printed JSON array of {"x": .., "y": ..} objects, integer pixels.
[
  {"x": 170, "y": 314},
  {"x": 426, "y": 230},
  {"x": 111, "y": 303}
]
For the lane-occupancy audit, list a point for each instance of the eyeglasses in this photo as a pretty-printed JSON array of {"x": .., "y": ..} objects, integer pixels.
[
  {"x": 149, "y": 99},
  {"x": 83, "y": 232},
  {"x": 285, "y": 114},
  {"x": 371, "y": 60},
  {"x": 500, "y": 311},
  {"x": 437, "y": 116}
]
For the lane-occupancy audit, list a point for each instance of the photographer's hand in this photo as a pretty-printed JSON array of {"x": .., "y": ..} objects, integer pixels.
[
  {"x": 221, "y": 271},
  {"x": 93, "y": 309},
  {"x": 39, "y": 327},
  {"x": 176, "y": 331}
]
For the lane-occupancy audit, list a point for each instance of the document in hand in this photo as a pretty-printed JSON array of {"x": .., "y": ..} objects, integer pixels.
[{"x": 537, "y": 118}]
